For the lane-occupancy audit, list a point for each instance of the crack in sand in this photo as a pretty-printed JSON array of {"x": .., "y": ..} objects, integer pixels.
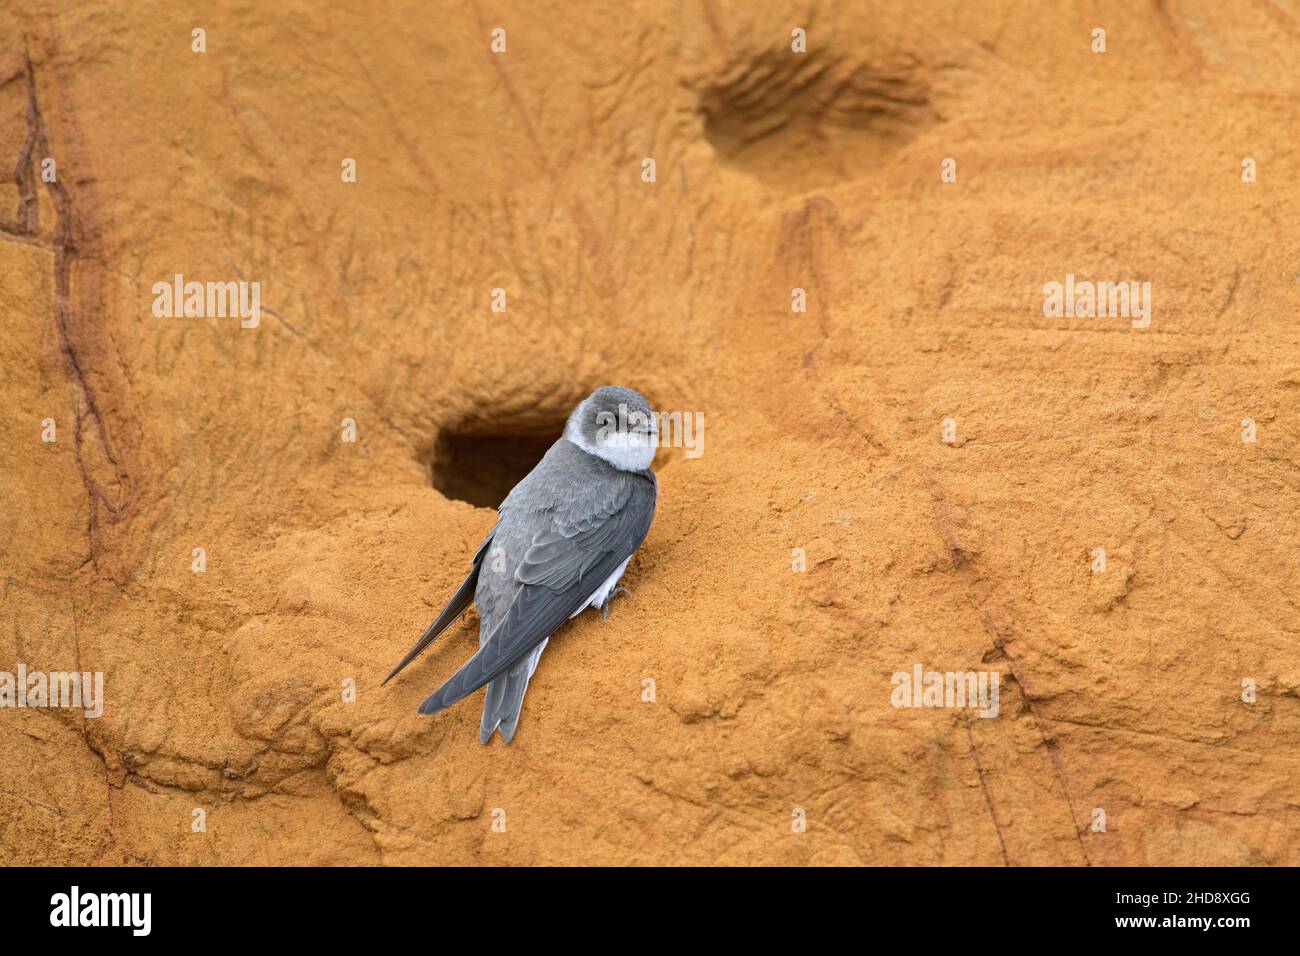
[
  {"x": 984, "y": 789},
  {"x": 963, "y": 564},
  {"x": 62, "y": 240}
]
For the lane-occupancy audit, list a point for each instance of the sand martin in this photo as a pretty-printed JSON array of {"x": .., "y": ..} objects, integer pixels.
[{"x": 563, "y": 538}]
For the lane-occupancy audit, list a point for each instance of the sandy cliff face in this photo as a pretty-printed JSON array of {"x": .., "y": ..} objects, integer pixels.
[{"x": 1121, "y": 690}]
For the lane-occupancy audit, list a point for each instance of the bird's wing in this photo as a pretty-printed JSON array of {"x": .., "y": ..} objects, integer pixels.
[
  {"x": 561, "y": 568},
  {"x": 457, "y": 606}
]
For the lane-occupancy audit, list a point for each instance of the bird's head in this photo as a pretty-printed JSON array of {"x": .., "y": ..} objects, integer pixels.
[{"x": 617, "y": 425}]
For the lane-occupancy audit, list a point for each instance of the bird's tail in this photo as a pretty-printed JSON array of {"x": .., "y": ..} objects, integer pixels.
[{"x": 505, "y": 698}]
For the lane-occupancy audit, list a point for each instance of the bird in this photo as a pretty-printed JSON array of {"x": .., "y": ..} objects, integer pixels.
[{"x": 562, "y": 540}]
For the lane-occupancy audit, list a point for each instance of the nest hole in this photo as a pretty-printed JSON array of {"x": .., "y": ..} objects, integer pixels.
[{"x": 480, "y": 463}]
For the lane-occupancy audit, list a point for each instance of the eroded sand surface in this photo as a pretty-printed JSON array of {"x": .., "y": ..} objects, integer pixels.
[{"x": 325, "y": 560}]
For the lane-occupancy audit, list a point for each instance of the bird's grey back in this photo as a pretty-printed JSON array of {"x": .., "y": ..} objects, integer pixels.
[{"x": 569, "y": 491}]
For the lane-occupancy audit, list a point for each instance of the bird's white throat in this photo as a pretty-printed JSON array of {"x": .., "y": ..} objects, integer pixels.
[{"x": 626, "y": 451}]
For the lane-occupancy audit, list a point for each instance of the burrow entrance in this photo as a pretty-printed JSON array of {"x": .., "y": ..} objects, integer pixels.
[{"x": 480, "y": 462}]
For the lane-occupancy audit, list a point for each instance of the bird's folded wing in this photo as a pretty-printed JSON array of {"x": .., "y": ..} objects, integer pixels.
[
  {"x": 559, "y": 572},
  {"x": 457, "y": 606}
]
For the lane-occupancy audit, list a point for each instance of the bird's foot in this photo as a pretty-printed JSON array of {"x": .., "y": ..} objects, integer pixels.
[{"x": 604, "y": 608}]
